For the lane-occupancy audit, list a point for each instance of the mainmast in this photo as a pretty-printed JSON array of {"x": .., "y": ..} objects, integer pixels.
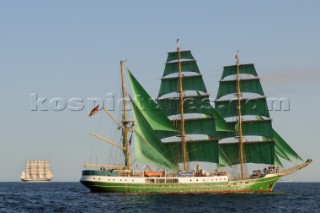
[
  {"x": 241, "y": 153},
  {"x": 124, "y": 120},
  {"x": 181, "y": 100}
]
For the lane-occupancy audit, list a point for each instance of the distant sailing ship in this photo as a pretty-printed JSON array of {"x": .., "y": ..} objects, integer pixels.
[
  {"x": 181, "y": 126},
  {"x": 37, "y": 171}
]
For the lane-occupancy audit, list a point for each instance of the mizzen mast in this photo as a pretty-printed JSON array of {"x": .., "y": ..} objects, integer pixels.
[
  {"x": 241, "y": 152},
  {"x": 124, "y": 120},
  {"x": 181, "y": 100}
]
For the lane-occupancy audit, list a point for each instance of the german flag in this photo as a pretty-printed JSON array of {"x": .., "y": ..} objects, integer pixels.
[{"x": 94, "y": 111}]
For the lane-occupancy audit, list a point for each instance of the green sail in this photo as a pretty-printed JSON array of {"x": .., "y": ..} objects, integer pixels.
[
  {"x": 191, "y": 104},
  {"x": 186, "y": 54},
  {"x": 281, "y": 153},
  {"x": 186, "y": 66},
  {"x": 282, "y": 149},
  {"x": 250, "y": 106},
  {"x": 124, "y": 139},
  {"x": 201, "y": 126},
  {"x": 277, "y": 161},
  {"x": 197, "y": 151},
  {"x": 191, "y": 83},
  {"x": 285, "y": 147},
  {"x": 255, "y": 152},
  {"x": 195, "y": 104},
  {"x": 278, "y": 151},
  {"x": 223, "y": 158},
  {"x": 148, "y": 147},
  {"x": 251, "y": 128},
  {"x": 221, "y": 124},
  {"x": 205, "y": 121},
  {"x": 246, "y": 85},
  {"x": 243, "y": 69},
  {"x": 151, "y": 112}
]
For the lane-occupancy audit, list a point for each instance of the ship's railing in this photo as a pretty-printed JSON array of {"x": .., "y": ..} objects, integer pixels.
[{"x": 103, "y": 166}]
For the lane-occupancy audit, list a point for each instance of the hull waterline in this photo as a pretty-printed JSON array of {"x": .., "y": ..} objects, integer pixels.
[{"x": 36, "y": 181}]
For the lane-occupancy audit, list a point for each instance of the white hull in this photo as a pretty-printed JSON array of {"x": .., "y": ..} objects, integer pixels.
[
  {"x": 35, "y": 180},
  {"x": 122, "y": 179}
]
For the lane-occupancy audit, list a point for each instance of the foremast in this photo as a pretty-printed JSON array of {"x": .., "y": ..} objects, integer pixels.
[
  {"x": 196, "y": 123},
  {"x": 181, "y": 100},
  {"x": 240, "y": 134},
  {"x": 125, "y": 121}
]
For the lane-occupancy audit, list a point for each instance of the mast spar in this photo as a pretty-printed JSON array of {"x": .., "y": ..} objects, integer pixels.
[
  {"x": 241, "y": 154},
  {"x": 124, "y": 118},
  {"x": 181, "y": 100}
]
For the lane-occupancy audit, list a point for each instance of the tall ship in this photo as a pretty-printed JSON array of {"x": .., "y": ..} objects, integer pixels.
[
  {"x": 174, "y": 137},
  {"x": 37, "y": 171}
]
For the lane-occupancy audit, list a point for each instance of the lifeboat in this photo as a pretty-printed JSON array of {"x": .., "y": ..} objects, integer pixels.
[{"x": 153, "y": 174}]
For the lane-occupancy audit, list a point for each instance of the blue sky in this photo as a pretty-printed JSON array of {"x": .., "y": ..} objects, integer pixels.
[{"x": 72, "y": 49}]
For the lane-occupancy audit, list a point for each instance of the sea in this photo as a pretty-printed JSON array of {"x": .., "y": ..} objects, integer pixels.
[{"x": 74, "y": 197}]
